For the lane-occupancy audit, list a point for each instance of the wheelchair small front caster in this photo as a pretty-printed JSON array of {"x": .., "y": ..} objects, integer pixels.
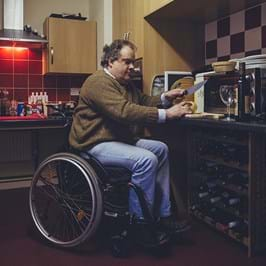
[{"x": 120, "y": 245}]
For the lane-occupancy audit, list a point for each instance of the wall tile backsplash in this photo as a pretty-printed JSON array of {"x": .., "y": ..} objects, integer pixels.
[
  {"x": 21, "y": 74},
  {"x": 238, "y": 35}
]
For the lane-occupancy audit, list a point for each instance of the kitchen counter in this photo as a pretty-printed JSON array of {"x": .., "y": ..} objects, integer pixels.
[
  {"x": 16, "y": 123},
  {"x": 26, "y": 141},
  {"x": 249, "y": 126},
  {"x": 174, "y": 130},
  {"x": 35, "y": 123}
]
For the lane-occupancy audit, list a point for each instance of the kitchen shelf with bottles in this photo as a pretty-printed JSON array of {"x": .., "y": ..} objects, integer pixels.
[{"x": 226, "y": 184}]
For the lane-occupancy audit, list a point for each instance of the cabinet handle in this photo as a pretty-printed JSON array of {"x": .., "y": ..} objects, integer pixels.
[{"x": 52, "y": 54}]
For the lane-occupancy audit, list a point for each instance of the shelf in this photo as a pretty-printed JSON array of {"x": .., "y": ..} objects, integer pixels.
[
  {"x": 203, "y": 11},
  {"x": 230, "y": 187},
  {"x": 220, "y": 161},
  {"x": 219, "y": 205},
  {"x": 230, "y": 210},
  {"x": 209, "y": 154},
  {"x": 234, "y": 188},
  {"x": 223, "y": 139},
  {"x": 221, "y": 228}
]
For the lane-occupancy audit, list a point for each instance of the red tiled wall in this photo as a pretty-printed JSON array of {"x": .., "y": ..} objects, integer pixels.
[{"x": 21, "y": 74}]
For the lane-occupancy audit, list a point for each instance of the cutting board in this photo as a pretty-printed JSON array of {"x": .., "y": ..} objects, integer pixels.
[{"x": 205, "y": 115}]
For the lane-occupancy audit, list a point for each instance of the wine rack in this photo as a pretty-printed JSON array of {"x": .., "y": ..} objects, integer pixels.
[{"x": 227, "y": 189}]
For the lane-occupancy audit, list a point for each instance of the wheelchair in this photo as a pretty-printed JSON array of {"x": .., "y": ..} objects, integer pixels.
[{"x": 72, "y": 193}]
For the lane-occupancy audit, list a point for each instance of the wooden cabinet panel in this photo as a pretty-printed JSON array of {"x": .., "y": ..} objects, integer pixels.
[
  {"x": 171, "y": 46},
  {"x": 72, "y": 46},
  {"x": 151, "y": 6},
  {"x": 203, "y": 11},
  {"x": 128, "y": 18}
]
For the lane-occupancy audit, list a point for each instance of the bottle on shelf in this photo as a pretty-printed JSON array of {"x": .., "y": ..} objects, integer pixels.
[
  {"x": 5, "y": 103},
  {"x": 230, "y": 200},
  {"x": 243, "y": 94},
  {"x": 45, "y": 95},
  {"x": 39, "y": 103},
  {"x": 236, "y": 178},
  {"x": 45, "y": 102},
  {"x": 241, "y": 229},
  {"x": 1, "y": 103}
]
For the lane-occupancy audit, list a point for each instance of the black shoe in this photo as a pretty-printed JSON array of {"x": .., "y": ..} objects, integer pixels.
[
  {"x": 147, "y": 235},
  {"x": 173, "y": 227}
]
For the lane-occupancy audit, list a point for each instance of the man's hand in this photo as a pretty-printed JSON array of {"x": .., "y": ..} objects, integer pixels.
[
  {"x": 178, "y": 110},
  {"x": 173, "y": 94}
]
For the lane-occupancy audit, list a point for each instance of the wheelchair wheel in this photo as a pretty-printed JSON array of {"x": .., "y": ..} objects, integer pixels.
[{"x": 66, "y": 200}]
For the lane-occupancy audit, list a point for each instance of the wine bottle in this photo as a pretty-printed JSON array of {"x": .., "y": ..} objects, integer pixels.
[
  {"x": 230, "y": 201},
  {"x": 241, "y": 229},
  {"x": 225, "y": 221},
  {"x": 242, "y": 91}
]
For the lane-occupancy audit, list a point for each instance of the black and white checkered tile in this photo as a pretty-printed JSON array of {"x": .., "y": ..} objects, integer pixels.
[{"x": 238, "y": 35}]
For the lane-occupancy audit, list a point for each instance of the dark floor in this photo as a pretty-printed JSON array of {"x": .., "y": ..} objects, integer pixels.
[{"x": 18, "y": 247}]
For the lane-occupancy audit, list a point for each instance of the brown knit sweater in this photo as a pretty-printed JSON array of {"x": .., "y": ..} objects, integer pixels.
[{"x": 109, "y": 111}]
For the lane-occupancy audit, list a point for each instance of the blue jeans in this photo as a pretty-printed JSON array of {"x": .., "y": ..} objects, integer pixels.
[{"x": 148, "y": 162}]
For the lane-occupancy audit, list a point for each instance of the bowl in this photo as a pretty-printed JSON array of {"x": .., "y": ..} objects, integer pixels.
[{"x": 224, "y": 66}]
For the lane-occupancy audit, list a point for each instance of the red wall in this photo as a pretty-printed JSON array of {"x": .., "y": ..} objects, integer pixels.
[{"x": 21, "y": 74}]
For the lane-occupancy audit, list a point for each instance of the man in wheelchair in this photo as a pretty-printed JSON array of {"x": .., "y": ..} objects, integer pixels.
[{"x": 106, "y": 125}]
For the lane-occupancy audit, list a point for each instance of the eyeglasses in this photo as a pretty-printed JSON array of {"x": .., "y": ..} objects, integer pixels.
[{"x": 127, "y": 61}]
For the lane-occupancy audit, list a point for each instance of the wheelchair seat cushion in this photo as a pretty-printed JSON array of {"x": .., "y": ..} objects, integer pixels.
[
  {"x": 107, "y": 173},
  {"x": 118, "y": 174}
]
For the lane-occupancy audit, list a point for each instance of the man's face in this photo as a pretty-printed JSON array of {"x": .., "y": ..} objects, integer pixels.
[{"x": 122, "y": 67}]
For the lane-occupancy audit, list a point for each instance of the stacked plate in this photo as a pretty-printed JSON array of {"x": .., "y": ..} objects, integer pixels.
[{"x": 253, "y": 61}]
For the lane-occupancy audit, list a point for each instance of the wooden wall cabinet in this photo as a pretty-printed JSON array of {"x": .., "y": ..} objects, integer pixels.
[
  {"x": 151, "y": 6},
  {"x": 128, "y": 21},
  {"x": 174, "y": 37},
  {"x": 72, "y": 46}
]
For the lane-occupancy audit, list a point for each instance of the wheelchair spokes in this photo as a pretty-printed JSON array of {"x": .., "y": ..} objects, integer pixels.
[{"x": 64, "y": 200}]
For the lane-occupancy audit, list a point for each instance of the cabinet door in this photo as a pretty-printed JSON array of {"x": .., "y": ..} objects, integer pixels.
[
  {"x": 72, "y": 46},
  {"x": 128, "y": 19}
]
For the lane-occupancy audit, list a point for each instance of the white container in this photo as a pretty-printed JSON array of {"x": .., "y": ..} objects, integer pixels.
[{"x": 199, "y": 94}]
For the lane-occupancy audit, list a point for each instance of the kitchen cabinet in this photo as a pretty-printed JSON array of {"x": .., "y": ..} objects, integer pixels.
[
  {"x": 227, "y": 183},
  {"x": 16, "y": 154},
  {"x": 228, "y": 161},
  {"x": 151, "y": 6},
  {"x": 174, "y": 35},
  {"x": 25, "y": 143},
  {"x": 128, "y": 22},
  {"x": 71, "y": 47}
]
